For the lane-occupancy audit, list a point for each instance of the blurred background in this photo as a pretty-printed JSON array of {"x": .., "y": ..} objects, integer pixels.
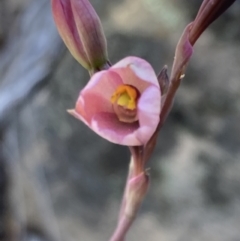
[{"x": 59, "y": 181}]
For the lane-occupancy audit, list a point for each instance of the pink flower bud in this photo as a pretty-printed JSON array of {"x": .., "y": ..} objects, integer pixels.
[
  {"x": 209, "y": 11},
  {"x": 122, "y": 104},
  {"x": 135, "y": 192},
  {"x": 80, "y": 28}
]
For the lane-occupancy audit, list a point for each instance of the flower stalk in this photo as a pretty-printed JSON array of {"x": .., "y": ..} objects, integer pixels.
[{"x": 136, "y": 188}]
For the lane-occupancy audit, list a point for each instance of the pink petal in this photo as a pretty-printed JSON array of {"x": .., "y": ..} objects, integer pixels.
[
  {"x": 149, "y": 106},
  {"x": 144, "y": 133},
  {"x": 109, "y": 127},
  {"x": 103, "y": 83},
  {"x": 136, "y": 72},
  {"x": 78, "y": 116},
  {"x": 90, "y": 103}
]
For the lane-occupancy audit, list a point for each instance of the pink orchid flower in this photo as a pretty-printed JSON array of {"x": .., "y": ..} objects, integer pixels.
[{"x": 122, "y": 104}]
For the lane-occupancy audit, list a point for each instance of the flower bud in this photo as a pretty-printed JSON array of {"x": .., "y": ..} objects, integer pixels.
[
  {"x": 209, "y": 11},
  {"x": 136, "y": 191},
  {"x": 163, "y": 80},
  {"x": 80, "y": 28}
]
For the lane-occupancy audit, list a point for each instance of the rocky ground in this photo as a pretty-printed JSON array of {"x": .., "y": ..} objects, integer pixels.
[{"x": 59, "y": 181}]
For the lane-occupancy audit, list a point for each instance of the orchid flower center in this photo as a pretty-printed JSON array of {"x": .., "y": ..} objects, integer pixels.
[
  {"x": 124, "y": 101},
  {"x": 125, "y": 96}
]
